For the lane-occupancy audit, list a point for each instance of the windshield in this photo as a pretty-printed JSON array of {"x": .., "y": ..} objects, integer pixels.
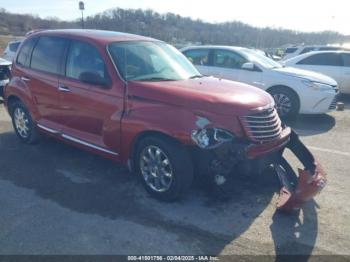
[
  {"x": 151, "y": 61},
  {"x": 264, "y": 61}
]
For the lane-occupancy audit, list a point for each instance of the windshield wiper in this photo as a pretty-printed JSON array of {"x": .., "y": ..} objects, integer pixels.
[
  {"x": 196, "y": 76},
  {"x": 156, "y": 79}
]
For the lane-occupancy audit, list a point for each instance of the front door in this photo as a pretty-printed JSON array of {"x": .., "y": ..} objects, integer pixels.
[{"x": 90, "y": 111}]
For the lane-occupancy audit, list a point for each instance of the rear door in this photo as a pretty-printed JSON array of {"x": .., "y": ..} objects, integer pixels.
[
  {"x": 200, "y": 59},
  {"x": 330, "y": 64},
  {"x": 346, "y": 73},
  {"x": 90, "y": 111},
  {"x": 38, "y": 66}
]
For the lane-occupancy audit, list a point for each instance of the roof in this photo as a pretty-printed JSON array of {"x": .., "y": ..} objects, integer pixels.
[
  {"x": 101, "y": 36},
  {"x": 302, "y": 56},
  {"x": 226, "y": 47}
]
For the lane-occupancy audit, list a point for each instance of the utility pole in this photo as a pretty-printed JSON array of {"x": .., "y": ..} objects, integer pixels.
[{"x": 82, "y": 8}]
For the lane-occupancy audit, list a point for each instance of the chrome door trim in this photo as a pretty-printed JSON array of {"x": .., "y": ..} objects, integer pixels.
[
  {"x": 53, "y": 131},
  {"x": 76, "y": 140},
  {"x": 88, "y": 144}
]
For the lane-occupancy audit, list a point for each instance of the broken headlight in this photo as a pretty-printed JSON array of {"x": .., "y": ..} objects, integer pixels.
[{"x": 209, "y": 138}]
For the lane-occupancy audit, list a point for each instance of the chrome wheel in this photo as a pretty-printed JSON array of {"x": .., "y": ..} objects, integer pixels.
[
  {"x": 156, "y": 168},
  {"x": 21, "y": 122},
  {"x": 283, "y": 104}
]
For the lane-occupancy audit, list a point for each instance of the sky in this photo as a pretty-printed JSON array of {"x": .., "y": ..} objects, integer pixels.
[{"x": 301, "y": 15}]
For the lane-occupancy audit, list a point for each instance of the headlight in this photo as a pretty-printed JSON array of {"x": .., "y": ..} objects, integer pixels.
[
  {"x": 317, "y": 86},
  {"x": 209, "y": 138}
]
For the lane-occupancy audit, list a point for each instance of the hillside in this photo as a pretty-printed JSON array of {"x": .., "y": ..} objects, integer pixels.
[{"x": 171, "y": 28}]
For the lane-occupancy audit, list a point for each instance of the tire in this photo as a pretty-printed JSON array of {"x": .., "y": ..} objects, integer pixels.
[
  {"x": 150, "y": 170},
  {"x": 23, "y": 124},
  {"x": 285, "y": 99}
]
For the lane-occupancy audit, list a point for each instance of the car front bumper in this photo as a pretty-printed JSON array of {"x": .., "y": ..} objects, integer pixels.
[
  {"x": 247, "y": 158},
  {"x": 321, "y": 102}
]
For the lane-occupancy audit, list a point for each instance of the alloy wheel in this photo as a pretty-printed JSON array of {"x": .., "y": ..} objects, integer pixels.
[
  {"x": 283, "y": 104},
  {"x": 156, "y": 168},
  {"x": 21, "y": 122}
]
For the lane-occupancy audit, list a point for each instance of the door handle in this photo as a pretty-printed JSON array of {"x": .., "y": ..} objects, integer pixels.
[
  {"x": 25, "y": 79},
  {"x": 63, "y": 89}
]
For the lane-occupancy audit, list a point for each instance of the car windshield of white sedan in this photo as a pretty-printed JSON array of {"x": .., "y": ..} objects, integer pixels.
[
  {"x": 151, "y": 61},
  {"x": 262, "y": 60}
]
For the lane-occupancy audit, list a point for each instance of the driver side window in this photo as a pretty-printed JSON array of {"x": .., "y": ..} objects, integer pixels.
[
  {"x": 82, "y": 58},
  {"x": 228, "y": 59}
]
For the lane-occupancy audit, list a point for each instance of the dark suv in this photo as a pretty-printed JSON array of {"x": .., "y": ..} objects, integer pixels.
[{"x": 139, "y": 101}]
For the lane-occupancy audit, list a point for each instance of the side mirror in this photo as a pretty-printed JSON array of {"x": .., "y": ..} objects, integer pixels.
[
  {"x": 93, "y": 78},
  {"x": 248, "y": 66}
]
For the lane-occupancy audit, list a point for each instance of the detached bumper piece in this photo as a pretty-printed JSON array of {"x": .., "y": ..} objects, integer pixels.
[{"x": 311, "y": 180}]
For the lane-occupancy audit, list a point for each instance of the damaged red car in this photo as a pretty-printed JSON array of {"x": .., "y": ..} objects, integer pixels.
[{"x": 140, "y": 102}]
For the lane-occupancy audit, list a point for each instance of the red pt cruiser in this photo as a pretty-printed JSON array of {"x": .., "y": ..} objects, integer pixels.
[{"x": 139, "y": 101}]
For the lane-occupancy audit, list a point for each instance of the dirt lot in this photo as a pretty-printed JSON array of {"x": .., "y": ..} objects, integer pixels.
[{"x": 56, "y": 199}]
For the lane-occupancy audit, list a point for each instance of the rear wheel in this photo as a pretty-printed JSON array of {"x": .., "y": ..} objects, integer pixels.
[
  {"x": 286, "y": 101},
  {"x": 165, "y": 168},
  {"x": 23, "y": 123}
]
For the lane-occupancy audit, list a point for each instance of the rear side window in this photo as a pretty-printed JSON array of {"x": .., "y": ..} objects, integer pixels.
[
  {"x": 14, "y": 46},
  {"x": 291, "y": 50},
  {"x": 198, "y": 56},
  {"x": 82, "y": 58},
  {"x": 25, "y": 52},
  {"x": 328, "y": 48},
  {"x": 47, "y": 54},
  {"x": 346, "y": 59},
  {"x": 326, "y": 59},
  {"x": 228, "y": 59},
  {"x": 307, "y": 50}
]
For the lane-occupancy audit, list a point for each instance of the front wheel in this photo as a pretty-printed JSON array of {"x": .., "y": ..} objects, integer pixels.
[
  {"x": 165, "y": 168},
  {"x": 286, "y": 101}
]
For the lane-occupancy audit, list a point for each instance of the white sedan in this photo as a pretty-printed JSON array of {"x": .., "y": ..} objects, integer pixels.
[
  {"x": 294, "y": 90},
  {"x": 5, "y": 74},
  {"x": 335, "y": 64}
]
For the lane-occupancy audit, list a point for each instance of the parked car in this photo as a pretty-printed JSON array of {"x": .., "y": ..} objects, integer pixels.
[
  {"x": 335, "y": 64},
  {"x": 5, "y": 74},
  {"x": 291, "y": 52},
  {"x": 139, "y": 101},
  {"x": 295, "y": 91},
  {"x": 11, "y": 49}
]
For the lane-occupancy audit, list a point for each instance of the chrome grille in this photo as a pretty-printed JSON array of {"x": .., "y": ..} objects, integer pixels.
[
  {"x": 333, "y": 105},
  {"x": 263, "y": 126}
]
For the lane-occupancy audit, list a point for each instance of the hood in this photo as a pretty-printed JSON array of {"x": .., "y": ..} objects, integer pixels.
[
  {"x": 4, "y": 62},
  {"x": 203, "y": 94},
  {"x": 309, "y": 75}
]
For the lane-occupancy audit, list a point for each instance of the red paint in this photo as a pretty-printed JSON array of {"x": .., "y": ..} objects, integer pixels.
[
  {"x": 112, "y": 118},
  {"x": 105, "y": 118},
  {"x": 308, "y": 187}
]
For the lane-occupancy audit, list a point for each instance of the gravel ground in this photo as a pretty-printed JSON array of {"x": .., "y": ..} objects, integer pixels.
[{"x": 56, "y": 199}]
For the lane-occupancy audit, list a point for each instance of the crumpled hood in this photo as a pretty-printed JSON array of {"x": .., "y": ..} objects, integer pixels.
[
  {"x": 203, "y": 94},
  {"x": 310, "y": 75}
]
